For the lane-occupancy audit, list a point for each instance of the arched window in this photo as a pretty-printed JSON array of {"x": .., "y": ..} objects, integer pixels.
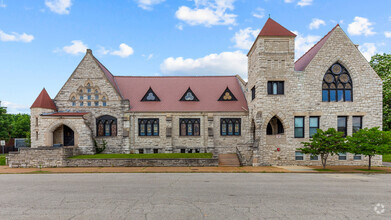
[
  {"x": 106, "y": 126},
  {"x": 337, "y": 85},
  {"x": 274, "y": 127}
]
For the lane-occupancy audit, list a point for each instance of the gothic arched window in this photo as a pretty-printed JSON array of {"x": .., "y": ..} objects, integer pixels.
[
  {"x": 274, "y": 127},
  {"x": 337, "y": 85},
  {"x": 106, "y": 126}
]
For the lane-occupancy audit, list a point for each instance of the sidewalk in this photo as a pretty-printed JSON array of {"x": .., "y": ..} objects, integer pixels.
[{"x": 247, "y": 169}]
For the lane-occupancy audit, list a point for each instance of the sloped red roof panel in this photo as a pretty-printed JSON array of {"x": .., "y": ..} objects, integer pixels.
[
  {"x": 44, "y": 101},
  {"x": 304, "y": 60},
  {"x": 208, "y": 89},
  {"x": 272, "y": 28}
]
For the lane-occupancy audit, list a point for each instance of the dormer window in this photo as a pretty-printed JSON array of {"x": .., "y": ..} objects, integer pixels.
[
  {"x": 150, "y": 96},
  {"x": 227, "y": 96},
  {"x": 189, "y": 96}
]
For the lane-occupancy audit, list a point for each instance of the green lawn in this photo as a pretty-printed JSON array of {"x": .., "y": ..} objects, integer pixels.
[
  {"x": 387, "y": 158},
  {"x": 144, "y": 156},
  {"x": 2, "y": 159}
]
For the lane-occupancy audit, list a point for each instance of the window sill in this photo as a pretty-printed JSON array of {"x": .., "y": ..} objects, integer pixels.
[{"x": 154, "y": 136}]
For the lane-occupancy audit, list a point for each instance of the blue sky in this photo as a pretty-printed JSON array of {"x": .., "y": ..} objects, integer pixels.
[{"x": 42, "y": 41}]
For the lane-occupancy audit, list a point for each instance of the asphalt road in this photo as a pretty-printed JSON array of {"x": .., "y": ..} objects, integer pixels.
[{"x": 195, "y": 196}]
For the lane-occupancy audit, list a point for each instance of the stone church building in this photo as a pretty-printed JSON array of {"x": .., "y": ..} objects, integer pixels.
[{"x": 264, "y": 120}]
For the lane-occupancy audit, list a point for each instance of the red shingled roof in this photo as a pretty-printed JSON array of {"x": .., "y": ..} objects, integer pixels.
[
  {"x": 44, "y": 101},
  {"x": 67, "y": 114},
  {"x": 272, "y": 28},
  {"x": 208, "y": 90},
  {"x": 304, "y": 60}
]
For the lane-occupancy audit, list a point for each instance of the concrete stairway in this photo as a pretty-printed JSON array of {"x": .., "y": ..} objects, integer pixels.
[{"x": 229, "y": 160}]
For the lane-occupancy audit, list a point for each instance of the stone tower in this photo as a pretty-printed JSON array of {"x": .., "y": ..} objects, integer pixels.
[
  {"x": 43, "y": 104},
  {"x": 270, "y": 69}
]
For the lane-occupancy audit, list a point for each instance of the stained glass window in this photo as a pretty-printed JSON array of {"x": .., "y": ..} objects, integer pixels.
[
  {"x": 230, "y": 126},
  {"x": 150, "y": 96},
  {"x": 189, "y": 126},
  {"x": 337, "y": 85},
  {"x": 189, "y": 96},
  {"x": 106, "y": 126},
  {"x": 227, "y": 96},
  {"x": 148, "y": 126}
]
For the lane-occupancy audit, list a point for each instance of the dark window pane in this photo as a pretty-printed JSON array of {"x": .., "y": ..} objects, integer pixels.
[
  {"x": 299, "y": 155},
  {"x": 357, "y": 123},
  {"x": 342, "y": 156},
  {"x": 312, "y": 131},
  {"x": 269, "y": 130},
  {"x": 340, "y": 95},
  {"x": 332, "y": 95},
  {"x": 325, "y": 95},
  {"x": 270, "y": 88},
  {"x": 299, "y": 132},
  {"x": 314, "y": 157},
  {"x": 342, "y": 125},
  {"x": 357, "y": 157},
  {"x": 281, "y": 88},
  {"x": 253, "y": 93}
]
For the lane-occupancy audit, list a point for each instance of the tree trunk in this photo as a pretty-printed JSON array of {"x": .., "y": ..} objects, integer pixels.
[
  {"x": 324, "y": 160},
  {"x": 369, "y": 165}
]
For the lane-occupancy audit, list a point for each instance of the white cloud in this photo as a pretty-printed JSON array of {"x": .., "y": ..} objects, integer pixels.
[
  {"x": 259, "y": 13},
  {"x": 304, "y": 43},
  {"x": 368, "y": 50},
  {"x": 288, "y": 1},
  {"x": 14, "y": 108},
  {"x": 124, "y": 51},
  {"x": 61, "y": 7},
  {"x": 244, "y": 38},
  {"x": 102, "y": 50},
  {"x": 77, "y": 47},
  {"x": 2, "y": 5},
  {"x": 303, "y": 3},
  {"x": 225, "y": 63},
  {"x": 179, "y": 26},
  {"x": 316, "y": 22},
  {"x": 150, "y": 56},
  {"x": 148, "y": 4},
  {"x": 208, "y": 13},
  {"x": 26, "y": 38},
  {"x": 361, "y": 26},
  {"x": 387, "y": 34}
]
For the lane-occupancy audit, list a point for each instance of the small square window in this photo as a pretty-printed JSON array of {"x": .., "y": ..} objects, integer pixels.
[
  {"x": 89, "y": 103},
  {"x": 96, "y": 103},
  {"x": 141, "y": 151},
  {"x": 73, "y": 103},
  {"x": 197, "y": 150},
  {"x": 357, "y": 157},
  {"x": 89, "y": 90},
  {"x": 89, "y": 97},
  {"x": 342, "y": 156},
  {"x": 81, "y": 104},
  {"x": 183, "y": 150},
  {"x": 155, "y": 151},
  {"x": 299, "y": 155},
  {"x": 104, "y": 103},
  {"x": 275, "y": 87},
  {"x": 96, "y": 97},
  {"x": 190, "y": 151},
  {"x": 81, "y": 97}
]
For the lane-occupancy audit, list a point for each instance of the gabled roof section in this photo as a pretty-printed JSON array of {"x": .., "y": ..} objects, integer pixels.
[
  {"x": 44, "y": 101},
  {"x": 108, "y": 74},
  {"x": 227, "y": 96},
  {"x": 189, "y": 96},
  {"x": 171, "y": 88},
  {"x": 304, "y": 60},
  {"x": 272, "y": 28},
  {"x": 150, "y": 96}
]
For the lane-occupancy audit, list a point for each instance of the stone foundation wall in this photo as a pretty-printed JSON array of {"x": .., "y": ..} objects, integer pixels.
[
  {"x": 141, "y": 162},
  {"x": 40, "y": 157}
]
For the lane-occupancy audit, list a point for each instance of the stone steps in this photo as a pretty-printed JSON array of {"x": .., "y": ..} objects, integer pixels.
[{"x": 229, "y": 160}]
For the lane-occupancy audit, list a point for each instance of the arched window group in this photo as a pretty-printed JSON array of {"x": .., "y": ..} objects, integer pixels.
[
  {"x": 106, "y": 126},
  {"x": 274, "y": 127},
  {"x": 88, "y": 95},
  {"x": 337, "y": 85}
]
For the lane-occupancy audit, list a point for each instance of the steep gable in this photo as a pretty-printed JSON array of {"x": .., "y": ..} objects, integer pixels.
[{"x": 92, "y": 71}]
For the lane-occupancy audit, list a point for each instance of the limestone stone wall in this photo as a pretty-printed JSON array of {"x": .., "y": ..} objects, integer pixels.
[
  {"x": 303, "y": 96},
  {"x": 40, "y": 157},
  {"x": 169, "y": 139},
  {"x": 191, "y": 162}
]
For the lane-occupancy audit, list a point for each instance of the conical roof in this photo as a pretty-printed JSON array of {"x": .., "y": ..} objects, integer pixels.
[
  {"x": 272, "y": 28},
  {"x": 44, "y": 101}
]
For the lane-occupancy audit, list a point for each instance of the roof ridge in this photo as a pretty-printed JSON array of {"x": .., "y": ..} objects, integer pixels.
[
  {"x": 175, "y": 76},
  {"x": 317, "y": 43}
]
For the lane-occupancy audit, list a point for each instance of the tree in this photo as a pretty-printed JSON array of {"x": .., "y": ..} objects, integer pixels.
[
  {"x": 325, "y": 143},
  {"x": 381, "y": 63},
  {"x": 5, "y": 124},
  {"x": 370, "y": 142},
  {"x": 20, "y": 126}
]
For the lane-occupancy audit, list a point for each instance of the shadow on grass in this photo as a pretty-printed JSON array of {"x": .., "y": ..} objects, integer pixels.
[{"x": 39, "y": 171}]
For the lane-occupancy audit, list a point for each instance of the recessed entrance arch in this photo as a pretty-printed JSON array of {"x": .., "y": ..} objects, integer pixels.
[{"x": 61, "y": 135}]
